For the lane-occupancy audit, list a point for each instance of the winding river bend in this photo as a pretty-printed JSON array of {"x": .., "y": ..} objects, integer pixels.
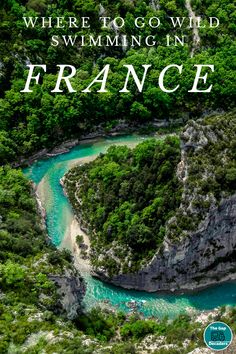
[{"x": 47, "y": 174}]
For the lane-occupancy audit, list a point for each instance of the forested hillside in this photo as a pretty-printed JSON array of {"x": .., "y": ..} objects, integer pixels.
[
  {"x": 32, "y": 318},
  {"x": 32, "y": 121},
  {"x": 133, "y": 203},
  {"x": 33, "y": 273},
  {"x": 36, "y": 279},
  {"x": 124, "y": 199}
]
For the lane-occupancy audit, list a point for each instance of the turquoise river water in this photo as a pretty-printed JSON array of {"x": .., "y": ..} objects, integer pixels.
[{"x": 60, "y": 215}]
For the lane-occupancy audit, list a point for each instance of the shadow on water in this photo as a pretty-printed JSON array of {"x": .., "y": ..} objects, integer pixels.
[{"x": 160, "y": 304}]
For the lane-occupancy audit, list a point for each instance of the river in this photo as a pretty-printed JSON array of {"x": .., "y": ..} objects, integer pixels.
[{"x": 46, "y": 174}]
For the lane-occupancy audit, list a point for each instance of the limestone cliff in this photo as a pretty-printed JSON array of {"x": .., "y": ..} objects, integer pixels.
[
  {"x": 199, "y": 245},
  {"x": 71, "y": 290},
  {"x": 199, "y": 248},
  {"x": 202, "y": 258}
]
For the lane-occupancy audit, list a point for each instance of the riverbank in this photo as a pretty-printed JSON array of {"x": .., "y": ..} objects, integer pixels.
[
  {"x": 70, "y": 242},
  {"x": 143, "y": 279},
  {"x": 121, "y": 129},
  {"x": 46, "y": 174},
  {"x": 75, "y": 229},
  {"x": 44, "y": 197}
]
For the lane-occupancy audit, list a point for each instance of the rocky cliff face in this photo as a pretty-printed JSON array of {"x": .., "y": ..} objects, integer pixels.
[
  {"x": 71, "y": 290},
  {"x": 200, "y": 243},
  {"x": 200, "y": 259}
]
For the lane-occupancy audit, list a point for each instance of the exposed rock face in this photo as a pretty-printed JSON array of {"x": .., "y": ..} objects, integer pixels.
[
  {"x": 196, "y": 37},
  {"x": 202, "y": 250},
  {"x": 183, "y": 266},
  {"x": 71, "y": 289},
  {"x": 154, "y": 4},
  {"x": 199, "y": 246}
]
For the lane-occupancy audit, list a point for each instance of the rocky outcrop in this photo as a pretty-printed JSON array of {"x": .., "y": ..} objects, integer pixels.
[
  {"x": 203, "y": 258},
  {"x": 154, "y": 4},
  {"x": 196, "y": 37},
  {"x": 46, "y": 153},
  {"x": 199, "y": 248},
  {"x": 71, "y": 290}
]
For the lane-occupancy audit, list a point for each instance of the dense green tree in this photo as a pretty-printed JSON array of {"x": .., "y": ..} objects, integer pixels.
[
  {"x": 127, "y": 196},
  {"x": 42, "y": 119}
]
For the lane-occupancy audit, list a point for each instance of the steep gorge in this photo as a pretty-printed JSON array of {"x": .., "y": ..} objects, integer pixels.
[{"x": 200, "y": 239}]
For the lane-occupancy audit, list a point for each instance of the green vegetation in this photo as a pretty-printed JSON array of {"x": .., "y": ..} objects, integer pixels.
[
  {"x": 30, "y": 122},
  {"x": 108, "y": 333},
  {"x": 125, "y": 198},
  {"x": 31, "y": 318},
  {"x": 130, "y": 199},
  {"x": 210, "y": 160},
  {"x": 79, "y": 239},
  {"x": 27, "y": 262},
  {"x": 143, "y": 189}
]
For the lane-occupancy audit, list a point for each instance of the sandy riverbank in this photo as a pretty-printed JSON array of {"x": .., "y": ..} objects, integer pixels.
[
  {"x": 81, "y": 161},
  {"x": 73, "y": 229},
  {"x": 69, "y": 242}
]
